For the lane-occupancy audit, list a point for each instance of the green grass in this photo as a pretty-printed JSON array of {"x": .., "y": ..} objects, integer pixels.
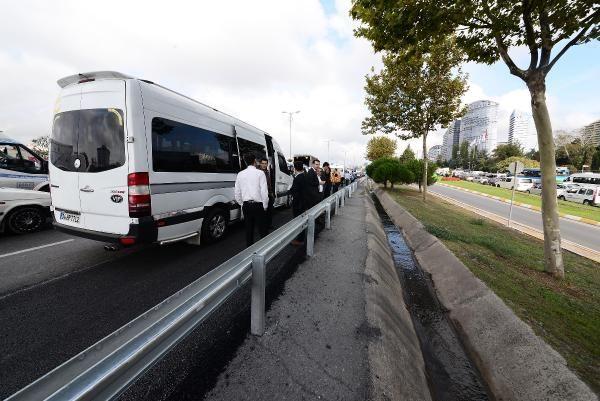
[
  {"x": 575, "y": 209},
  {"x": 565, "y": 313}
]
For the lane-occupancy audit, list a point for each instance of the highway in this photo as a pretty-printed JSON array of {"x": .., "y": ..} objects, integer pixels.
[
  {"x": 60, "y": 294},
  {"x": 579, "y": 233}
]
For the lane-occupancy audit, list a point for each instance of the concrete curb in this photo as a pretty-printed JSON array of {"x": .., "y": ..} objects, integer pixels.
[
  {"x": 515, "y": 363},
  {"x": 397, "y": 369},
  {"x": 525, "y": 205}
]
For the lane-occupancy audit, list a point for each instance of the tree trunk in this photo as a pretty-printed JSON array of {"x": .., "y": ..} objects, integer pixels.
[
  {"x": 425, "y": 162},
  {"x": 552, "y": 251}
]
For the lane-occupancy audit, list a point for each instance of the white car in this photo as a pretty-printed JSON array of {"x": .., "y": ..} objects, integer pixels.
[
  {"x": 536, "y": 189},
  {"x": 588, "y": 194},
  {"x": 22, "y": 210},
  {"x": 21, "y": 168},
  {"x": 523, "y": 184},
  {"x": 481, "y": 179}
]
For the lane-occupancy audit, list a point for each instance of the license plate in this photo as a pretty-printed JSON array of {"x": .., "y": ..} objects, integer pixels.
[{"x": 70, "y": 217}]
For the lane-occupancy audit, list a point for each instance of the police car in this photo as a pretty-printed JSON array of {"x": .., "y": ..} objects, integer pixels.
[
  {"x": 23, "y": 211},
  {"x": 21, "y": 168}
]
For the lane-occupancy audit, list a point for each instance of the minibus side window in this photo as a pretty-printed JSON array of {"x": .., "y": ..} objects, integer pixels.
[
  {"x": 254, "y": 148},
  {"x": 178, "y": 147}
]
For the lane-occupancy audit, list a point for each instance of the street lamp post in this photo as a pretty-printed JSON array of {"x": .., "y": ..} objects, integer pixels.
[{"x": 290, "y": 114}]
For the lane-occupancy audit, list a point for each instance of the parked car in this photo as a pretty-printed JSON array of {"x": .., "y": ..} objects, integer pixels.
[
  {"x": 536, "y": 189},
  {"x": 481, "y": 179},
  {"x": 586, "y": 194},
  {"x": 21, "y": 167},
  {"x": 522, "y": 184},
  {"x": 23, "y": 210}
]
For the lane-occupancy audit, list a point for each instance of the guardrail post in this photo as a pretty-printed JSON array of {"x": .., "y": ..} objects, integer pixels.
[
  {"x": 350, "y": 188},
  {"x": 257, "y": 312},
  {"x": 337, "y": 203},
  {"x": 344, "y": 197},
  {"x": 310, "y": 236},
  {"x": 328, "y": 216}
]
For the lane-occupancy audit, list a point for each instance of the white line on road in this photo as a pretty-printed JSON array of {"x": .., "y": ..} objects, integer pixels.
[{"x": 35, "y": 248}]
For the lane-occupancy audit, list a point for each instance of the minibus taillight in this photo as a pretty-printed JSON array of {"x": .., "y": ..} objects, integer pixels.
[{"x": 139, "y": 194}]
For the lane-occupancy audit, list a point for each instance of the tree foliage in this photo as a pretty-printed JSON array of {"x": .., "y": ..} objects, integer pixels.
[
  {"x": 41, "y": 146},
  {"x": 502, "y": 166},
  {"x": 505, "y": 151},
  {"x": 416, "y": 92},
  {"x": 407, "y": 155},
  {"x": 380, "y": 146}
]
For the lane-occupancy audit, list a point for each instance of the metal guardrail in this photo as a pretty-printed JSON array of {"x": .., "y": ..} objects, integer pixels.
[{"x": 107, "y": 368}]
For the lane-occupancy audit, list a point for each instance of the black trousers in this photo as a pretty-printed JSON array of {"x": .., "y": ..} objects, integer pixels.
[
  {"x": 254, "y": 216},
  {"x": 269, "y": 214}
]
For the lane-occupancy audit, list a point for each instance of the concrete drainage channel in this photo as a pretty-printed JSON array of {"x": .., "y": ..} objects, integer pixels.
[{"x": 450, "y": 373}]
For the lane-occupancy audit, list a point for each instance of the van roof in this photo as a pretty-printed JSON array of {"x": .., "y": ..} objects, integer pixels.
[
  {"x": 72, "y": 79},
  {"x": 100, "y": 75}
]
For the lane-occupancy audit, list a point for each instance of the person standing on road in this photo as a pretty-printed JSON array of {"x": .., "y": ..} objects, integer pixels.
[
  {"x": 251, "y": 192},
  {"x": 299, "y": 191},
  {"x": 347, "y": 177},
  {"x": 326, "y": 178},
  {"x": 312, "y": 177},
  {"x": 336, "y": 180},
  {"x": 264, "y": 166}
]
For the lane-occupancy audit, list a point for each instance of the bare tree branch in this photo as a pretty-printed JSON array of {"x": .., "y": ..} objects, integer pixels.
[
  {"x": 571, "y": 43},
  {"x": 546, "y": 34},
  {"x": 512, "y": 67},
  {"x": 530, "y": 35}
]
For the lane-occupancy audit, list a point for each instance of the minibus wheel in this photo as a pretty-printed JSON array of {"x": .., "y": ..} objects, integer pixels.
[
  {"x": 214, "y": 226},
  {"x": 25, "y": 220}
]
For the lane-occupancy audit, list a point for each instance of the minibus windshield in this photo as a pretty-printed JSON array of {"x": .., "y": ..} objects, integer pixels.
[{"x": 88, "y": 140}]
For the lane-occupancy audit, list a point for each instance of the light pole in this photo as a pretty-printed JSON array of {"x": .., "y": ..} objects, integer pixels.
[
  {"x": 328, "y": 142},
  {"x": 290, "y": 114}
]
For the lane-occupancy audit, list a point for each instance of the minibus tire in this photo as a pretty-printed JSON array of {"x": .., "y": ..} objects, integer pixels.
[
  {"x": 218, "y": 217},
  {"x": 25, "y": 220}
]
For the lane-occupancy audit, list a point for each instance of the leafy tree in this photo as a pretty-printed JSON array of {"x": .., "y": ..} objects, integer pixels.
[
  {"x": 41, "y": 145},
  {"x": 596, "y": 160},
  {"x": 380, "y": 146},
  {"x": 507, "y": 150},
  {"x": 408, "y": 154},
  {"x": 502, "y": 165},
  {"x": 415, "y": 93},
  {"x": 486, "y": 30},
  {"x": 463, "y": 154},
  {"x": 391, "y": 170},
  {"x": 454, "y": 151},
  {"x": 533, "y": 154},
  {"x": 416, "y": 167}
]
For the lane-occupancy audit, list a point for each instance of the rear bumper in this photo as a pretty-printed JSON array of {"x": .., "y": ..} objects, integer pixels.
[{"x": 145, "y": 232}]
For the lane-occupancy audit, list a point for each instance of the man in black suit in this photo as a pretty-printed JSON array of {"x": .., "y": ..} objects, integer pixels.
[
  {"x": 299, "y": 192},
  {"x": 312, "y": 176}
]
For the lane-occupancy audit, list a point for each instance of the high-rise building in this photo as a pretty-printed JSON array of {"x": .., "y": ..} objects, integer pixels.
[
  {"x": 591, "y": 133},
  {"x": 521, "y": 129},
  {"x": 451, "y": 138},
  {"x": 434, "y": 152},
  {"x": 479, "y": 127}
]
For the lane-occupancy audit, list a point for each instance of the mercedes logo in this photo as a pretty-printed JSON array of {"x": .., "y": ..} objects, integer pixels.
[{"x": 77, "y": 163}]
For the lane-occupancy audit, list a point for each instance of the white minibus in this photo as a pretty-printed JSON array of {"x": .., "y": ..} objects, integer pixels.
[
  {"x": 583, "y": 179},
  {"x": 134, "y": 162}
]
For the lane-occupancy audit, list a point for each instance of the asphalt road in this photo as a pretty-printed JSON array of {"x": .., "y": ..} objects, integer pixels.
[
  {"x": 579, "y": 233},
  {"x": 57, "y": 300}
]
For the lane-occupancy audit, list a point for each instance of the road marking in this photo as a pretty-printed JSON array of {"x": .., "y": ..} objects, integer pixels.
[{"x": 35, "y": 248}]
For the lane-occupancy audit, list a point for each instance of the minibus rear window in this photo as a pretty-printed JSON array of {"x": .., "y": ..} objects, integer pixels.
[{"x": 95, "y": 137}]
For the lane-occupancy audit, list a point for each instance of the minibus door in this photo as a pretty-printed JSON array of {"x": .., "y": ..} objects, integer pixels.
[
  {"x": 102, "y": 149},
  {"x": 64, "y": 164}
]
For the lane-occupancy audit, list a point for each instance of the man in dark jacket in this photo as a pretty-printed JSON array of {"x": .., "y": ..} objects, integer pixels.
[
  {"x": 264, "y": 166},
  {"x": 314, "y": 196},
  {"x": 299, "y": 192}
]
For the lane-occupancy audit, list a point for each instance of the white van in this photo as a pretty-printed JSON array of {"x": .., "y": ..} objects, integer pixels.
[
  {"x": 21, "y": 168},
  {"x": 132, "y": 162},
  {"x": 523, "y": 184},
  {"x": 583, "y": 179},
  {"x": 587, "y": 195}
]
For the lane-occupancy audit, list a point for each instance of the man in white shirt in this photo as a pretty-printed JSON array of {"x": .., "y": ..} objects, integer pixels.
[{"x": 252, "y": 194}]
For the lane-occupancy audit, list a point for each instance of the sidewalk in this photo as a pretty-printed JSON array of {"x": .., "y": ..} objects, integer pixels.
[{"x": 316, "y": 340}]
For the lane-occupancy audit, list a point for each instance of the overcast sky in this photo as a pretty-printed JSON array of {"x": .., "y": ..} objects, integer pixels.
[{"x": 251, "y": 59}]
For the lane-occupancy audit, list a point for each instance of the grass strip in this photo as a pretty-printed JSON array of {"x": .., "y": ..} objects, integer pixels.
[
  {"x": 565, "y": 313},
  {"x": 566, "y": 207}
]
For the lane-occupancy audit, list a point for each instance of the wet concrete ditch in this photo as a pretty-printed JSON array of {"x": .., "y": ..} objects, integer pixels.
[{"x": 451, "y": 374}]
